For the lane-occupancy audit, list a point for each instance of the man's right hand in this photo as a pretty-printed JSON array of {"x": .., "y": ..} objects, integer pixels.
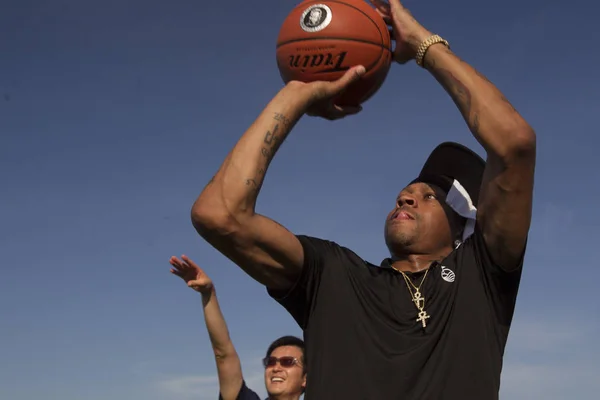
[
  {"x": 192, "y": 274},
  {"x": 320, "y": 95}
]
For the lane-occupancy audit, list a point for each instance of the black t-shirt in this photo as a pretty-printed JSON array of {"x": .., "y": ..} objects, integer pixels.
[
  {"x": 244, "y": 394},
  {"x": 363, "y": 340}
]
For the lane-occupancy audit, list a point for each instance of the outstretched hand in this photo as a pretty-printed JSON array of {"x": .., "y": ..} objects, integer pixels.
[
  {"x": 322, "y": 95},
  {"x": 406, "y": 31},
  {"x": 192, "y": 274}
]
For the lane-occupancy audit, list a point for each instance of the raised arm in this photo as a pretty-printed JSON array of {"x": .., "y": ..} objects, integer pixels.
[
  {"x": 229, "y": 368},
  {"x": 224, "y": 213},
  {"x": 505, "y": 201}
]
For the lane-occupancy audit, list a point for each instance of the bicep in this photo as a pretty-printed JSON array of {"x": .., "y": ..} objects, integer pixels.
[
  {"x": 263, "y": 248},
  {"x": 505, "y": 207}
]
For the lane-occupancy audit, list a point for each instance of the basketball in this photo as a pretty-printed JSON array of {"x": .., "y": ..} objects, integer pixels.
[{"x": 321, "y": 40}]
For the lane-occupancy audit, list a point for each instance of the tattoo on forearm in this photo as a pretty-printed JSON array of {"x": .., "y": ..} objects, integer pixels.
[
  {"x": 259, "y": 175},
  {"x": 458, "y": 91},
  {"x": 254, "y": 186},
  {"x": 462, "y": 98},
  {"x": 272, "y": 139},
  {"x": 282, "y": 118}
]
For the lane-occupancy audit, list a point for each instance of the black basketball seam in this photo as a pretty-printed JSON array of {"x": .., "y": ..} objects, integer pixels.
[
  {"x": 367, "y": 67},
  {"x": 332, "y": 38}
]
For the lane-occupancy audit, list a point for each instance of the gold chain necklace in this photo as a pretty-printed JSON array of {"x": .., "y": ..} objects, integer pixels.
[{"x": 417, "y": 296}]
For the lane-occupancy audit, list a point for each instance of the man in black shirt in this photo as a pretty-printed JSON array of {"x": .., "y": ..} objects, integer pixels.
[
  {"x": 431, "y": 322},
  {"x": 285, "y": 375}
]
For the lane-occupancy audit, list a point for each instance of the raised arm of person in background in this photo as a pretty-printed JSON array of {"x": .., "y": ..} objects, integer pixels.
[
  {"x": 505, "y": 202},
  {"x": 224, "y": 213},
  {"x": 229, "y": 368}
]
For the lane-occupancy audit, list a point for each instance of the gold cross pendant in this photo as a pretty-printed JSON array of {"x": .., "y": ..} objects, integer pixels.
[
  {"x": 419, "y": 300},
  {"x": 422, "y": 317}
]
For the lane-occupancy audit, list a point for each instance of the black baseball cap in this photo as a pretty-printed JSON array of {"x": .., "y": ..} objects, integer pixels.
[{"x": 451, "y": 161}]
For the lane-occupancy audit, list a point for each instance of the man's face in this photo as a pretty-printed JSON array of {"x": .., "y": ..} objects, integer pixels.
[
  {"x": 419, "y": 223},
  {"x": 286, "y": 379},
  {"x": 315, "y": 15}
]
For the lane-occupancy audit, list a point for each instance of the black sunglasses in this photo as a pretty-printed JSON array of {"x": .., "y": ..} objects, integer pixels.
[{"x": 285, "y": 362}]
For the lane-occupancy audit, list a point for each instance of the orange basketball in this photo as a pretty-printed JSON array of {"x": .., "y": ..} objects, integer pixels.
[{"x": 321, "y": 40}]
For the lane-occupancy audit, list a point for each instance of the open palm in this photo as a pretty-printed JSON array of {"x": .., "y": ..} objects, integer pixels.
[{"x": 191, "y": 273}]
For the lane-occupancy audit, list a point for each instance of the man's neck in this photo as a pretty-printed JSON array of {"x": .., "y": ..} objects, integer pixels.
[
  {"x": 284, "y": 397},
  {"x": 417, "y": 262}
]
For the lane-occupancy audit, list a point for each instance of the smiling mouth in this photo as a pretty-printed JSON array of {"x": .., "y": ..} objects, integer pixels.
[{"x": 277, "y": 379}]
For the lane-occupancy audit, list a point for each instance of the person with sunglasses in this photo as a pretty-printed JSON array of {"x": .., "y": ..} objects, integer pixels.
[{"x": 284, "y": 363}]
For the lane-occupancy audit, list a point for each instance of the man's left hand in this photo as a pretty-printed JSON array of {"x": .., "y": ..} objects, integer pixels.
[{"x": 405, "y": 30}]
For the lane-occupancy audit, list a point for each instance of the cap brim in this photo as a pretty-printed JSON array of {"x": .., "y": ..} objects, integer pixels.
[{"x": 452, "y": 161}]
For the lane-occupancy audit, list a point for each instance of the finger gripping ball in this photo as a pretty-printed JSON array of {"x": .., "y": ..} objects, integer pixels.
[{"x": 321, "y": 40}]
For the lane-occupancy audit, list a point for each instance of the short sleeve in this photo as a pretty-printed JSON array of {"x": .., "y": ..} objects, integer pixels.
[
  {"x": 501, "y": 286},
  {"x": 245, "y": 393},
  {"x": 300, "y": 300}
]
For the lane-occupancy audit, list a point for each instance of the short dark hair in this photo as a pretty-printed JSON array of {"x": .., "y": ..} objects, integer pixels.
[{"x": 288, "y": 341}]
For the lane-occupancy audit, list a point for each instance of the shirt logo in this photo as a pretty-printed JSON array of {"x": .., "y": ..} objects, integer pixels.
[{"x": 448, "y": 275}]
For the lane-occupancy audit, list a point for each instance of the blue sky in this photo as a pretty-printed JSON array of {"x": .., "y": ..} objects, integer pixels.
[{"x": 114, "y": 114}]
